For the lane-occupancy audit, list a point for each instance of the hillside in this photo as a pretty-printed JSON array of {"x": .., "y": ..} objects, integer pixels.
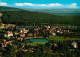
[
  {"x": 9, "y": 9},
  {"x": 29, "y": 18},
  {"x": 57, "y": 11}
]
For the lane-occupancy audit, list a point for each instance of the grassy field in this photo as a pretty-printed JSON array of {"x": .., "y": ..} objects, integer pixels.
[
  {"x": 62, "y": 38},
  {"x": 35, "y": 43},
  {"x": 1, "y": 29}
]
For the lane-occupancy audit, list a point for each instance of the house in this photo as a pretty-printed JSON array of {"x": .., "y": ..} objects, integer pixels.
[
  {"x": 21, "y": 31},
  {"x": 21, "y": 39},
  {"x": 30, "y": 35},
  {"x": 4, "y": 43},
  {"x": 16, "y": 33},
  {"x": 54, "y": 34},
  {"x": 52, "y": 30},
  {"x": 58, "y": 31},
  {"x": 66, "y": 30},
  {"x": 5, "y": 35},
  {"x": 48, "y": 27},
  {"x": 44, "y": 30},
  {"x": 25, "y": 50},
  {"x": 74, "y": 44},
  {"x": 24, "y": 30},
  {"x": 22, "y": 34},
  {"x": 2, "y": 25},
  {"x": 10, "y": 25},
  {"x": 36, "y": 29},
  {"x": 1, "y": 14},
  {"x": 10, "y": 42},
  {"x": 9, "y": 34},
  {"x": 56, "y": 45}
]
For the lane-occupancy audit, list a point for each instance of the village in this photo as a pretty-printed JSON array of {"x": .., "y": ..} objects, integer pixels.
[
  {"x": 12, "y": 31},
  {"x": 13, "y": 35}
]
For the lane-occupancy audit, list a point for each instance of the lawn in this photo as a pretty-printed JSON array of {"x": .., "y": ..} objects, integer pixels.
[
  {"x": 62, "y": 38},
  {"x": 1, "y": 29},
  {"x": 35, "y": 43}
]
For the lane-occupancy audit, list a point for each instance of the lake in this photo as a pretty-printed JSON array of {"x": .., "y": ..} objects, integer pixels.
[{"x": 38, "y": 40}]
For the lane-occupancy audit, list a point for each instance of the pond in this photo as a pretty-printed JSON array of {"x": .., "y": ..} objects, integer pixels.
[{"x": 38, "y": 40}]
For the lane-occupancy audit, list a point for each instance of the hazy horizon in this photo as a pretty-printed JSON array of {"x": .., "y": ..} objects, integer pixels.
[{"x": 41, "y": 4}]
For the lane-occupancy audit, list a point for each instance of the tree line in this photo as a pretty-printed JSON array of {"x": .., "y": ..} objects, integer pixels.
[{"x": 29, "y": 18}]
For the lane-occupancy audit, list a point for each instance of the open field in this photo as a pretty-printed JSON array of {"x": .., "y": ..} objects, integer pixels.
[
  {"x": 35, "y": 43},
  {"x": 62, "y": 38},
  {"x": 1, "y": 29}
]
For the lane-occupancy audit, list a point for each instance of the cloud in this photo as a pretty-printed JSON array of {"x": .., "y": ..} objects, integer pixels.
[
  {"x": 52, "y": 5},
  {"x": 73, "y": 5},
  {"x": 56, "y": 4},
  {"x": 30, "y": 4},
  {"x": 3, "y": 4},
  {"x": 24, "y": 4}
]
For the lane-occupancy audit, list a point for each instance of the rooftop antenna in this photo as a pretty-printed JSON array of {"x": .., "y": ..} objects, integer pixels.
[
  {"x": 34, "y": 24},
  {"x": 0, "y": 18}
]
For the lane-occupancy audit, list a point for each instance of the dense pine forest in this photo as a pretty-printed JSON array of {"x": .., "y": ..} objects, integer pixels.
[{"x": 24, "y": 17}]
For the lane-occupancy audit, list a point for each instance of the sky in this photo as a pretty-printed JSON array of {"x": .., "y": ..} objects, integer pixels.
[{"x": 41, "y": 4}]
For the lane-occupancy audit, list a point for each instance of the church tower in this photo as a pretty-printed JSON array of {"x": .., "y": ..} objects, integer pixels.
[{"x": 0, "y": 18}]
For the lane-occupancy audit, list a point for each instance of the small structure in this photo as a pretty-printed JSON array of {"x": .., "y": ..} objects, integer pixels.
[
  {"x": 25, "y": 50},
  {"x": 48, "y": 27},
  {"x": 1, "y": 14},
  {"x": 2, "y": 25},
  {"x": 4, "y": 43},
  {"x": 52, "y": 30},
  {"x": 74, "y": 44},
  {"x": 54, "y": 34},
  {"x": 24, "y": 30},
  {"x": 9, "y": 34},
  {"x": 16, "y": 33},
  {"x": 0, "y": 18},
  {"x": 10, "y": 25},
  {"x": 30, "y": 35},
  {"x": 22, "y": 35}
]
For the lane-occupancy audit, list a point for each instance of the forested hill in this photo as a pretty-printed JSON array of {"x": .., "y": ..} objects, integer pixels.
[
  {"x": 3, "y": 8},
  {"x": 29, "y": 18},
  {"x": 57, "y": 11}
]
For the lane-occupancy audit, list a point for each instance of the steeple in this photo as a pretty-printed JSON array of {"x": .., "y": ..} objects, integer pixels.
[
  {"x": 34, "y": 24},
  {"x": 1, "y": 14},
  {"x": 0, "y": 18}
]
